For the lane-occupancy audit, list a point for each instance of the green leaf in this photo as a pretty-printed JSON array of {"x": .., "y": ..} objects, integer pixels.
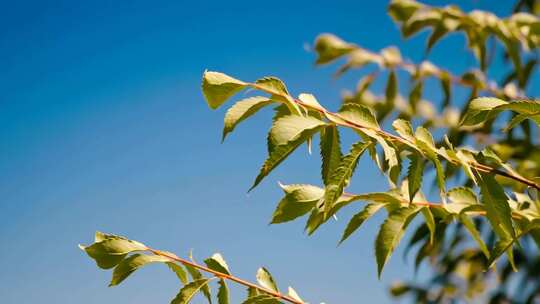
[
  {"x": 196, "y": 275},
  {"x": 358, "y": 219},
  {"x": 179, "y": 271},
  {"x": 273, "y": 85},
  {"x": 293, "y": 294},
  {"x": 281, "y": 151},
  {"x": 391, "y": 88},
  {"x": 430, "y": 222},
  {"x": 315, "y": 220},
  {"x": 342, "y": 174},
  {"x": 416, "y": 93},
  {"x": 189, "y": 291},
  {"x": 446, "y": 85},
  {"x": 291, "y": 127},
  {"x": 252, "y": 292},
  {"x": 479, "y": 108},
  {"x": 402, "y": 10},
  {"x": 330, "y": 47},
  {"x": 404, "y": 129},
  {"x": 424, "y": 140},
  {"x": 112, "y": 250},
  {"x": 420, "y": 20},
  {"x": 223, "y": 292},
  {"x": 131, "y": 264},
  {"x": 469, "y": 225},
  {"x": 438, "y": 32},
  {"x": 390, "y": 234},
  {"x": 505, "y": 244},
  {"x": 310, "y": 100},
  {"x": 462, "y": 195},
  {"x": 415, "y": 174},
  {"x": 265, "y": 279},
  {"x": 516, "y": 120},
  {"x": 279, "y": 112},
  {"x": 330, "y": 151},
  {"x": 242, "y": 110},
  {"x": 296, "y": 203},
  {"x": 498, "y": 210},
  {"x": 391, "y": 58},
  {"x": 217, "y": 263},
  {"x": 262, "y": 299},
  {"x": 460, "y": 198},
  {"x": 359, "y": 115},
  {"x": 218, "y": 88}
]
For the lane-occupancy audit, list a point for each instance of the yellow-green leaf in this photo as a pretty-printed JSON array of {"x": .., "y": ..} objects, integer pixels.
[
  {"x": 131, "y": 264},
  {"x": 187, "y": 293},
  {"x": 242, "y": 110},
  {"x": 265, "y": 279},
  {"x": 218, "y": 88}
]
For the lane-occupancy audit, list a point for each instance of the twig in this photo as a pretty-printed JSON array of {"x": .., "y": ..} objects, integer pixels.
[{"x": 223, "y": 275}]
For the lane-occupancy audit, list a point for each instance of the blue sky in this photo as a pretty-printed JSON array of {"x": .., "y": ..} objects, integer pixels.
[{"x": 103, "y": 127}]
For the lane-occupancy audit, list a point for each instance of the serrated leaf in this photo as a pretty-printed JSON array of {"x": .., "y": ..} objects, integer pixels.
[
  {"x": 217, "y": 263},
  {"x": 316, "y": 218},
  {"x": 279, "y": 112},
  {"x": 189, "y": 291},
  {"x": 330, "y": 147},
  {"x": 479, "y": 108},
  {"x": 505, "y": 244},
  {"x": 310, "y": 100},
  {"x": 218, "y": 88},
  {"x": 460, "y": 198},
  {"x": 424, "y": 140},
  {"x": 242, "y": 110},
  {"x": 262, "y": 299},
  {"x": 390, "y": 234},
  {"x": 342, "y": 174},
  {"x": 112, "y": 250},
  {"x": 131, "y": 264},
  {"x": 196, "y": 275},
  {"x": 497, "y": 208},
  {"x": 223, "y": 292},
  {"x": 290, "y": 127},
  {"x": 265, "y": 279},
  {"x": 273, "y": 84},
  {"x": 280, "y": 152},
  {"x": 179, "y": 271},
  {"x": 358, "y": 219},
  {"x": 296, "y": 203},
  {"x": 359, "y": 115},
  {"x": 462, "y": 195},
  {"x": 404, "y": 129},
  {"x": 469, "y": 225},
  {"x": 415, "y": 174},
  {"x": 430, "y": 222}
]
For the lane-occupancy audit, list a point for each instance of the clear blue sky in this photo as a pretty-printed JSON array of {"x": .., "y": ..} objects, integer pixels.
[{"x": 103, "y": 127}]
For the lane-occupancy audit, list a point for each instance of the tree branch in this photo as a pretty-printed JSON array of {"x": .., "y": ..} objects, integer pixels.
[{"x": 223, "y": 275}]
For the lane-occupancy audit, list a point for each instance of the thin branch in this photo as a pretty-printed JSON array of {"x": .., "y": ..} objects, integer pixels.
[
  {"x": 490, "y": 86},
  {"x": 477, "y": 166},
  {"x": 437, "y": 205},
  {"x": 223, "y": 275},
  {"x": 347, "y": 123}
]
